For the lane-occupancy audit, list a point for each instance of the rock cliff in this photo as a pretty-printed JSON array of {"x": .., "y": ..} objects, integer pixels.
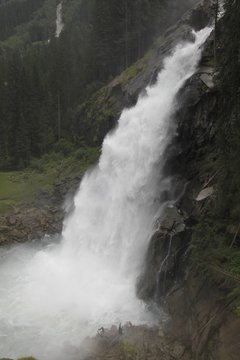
[
  {"x": 200, "y": 315},
  {"x": 201, "y": 325}
]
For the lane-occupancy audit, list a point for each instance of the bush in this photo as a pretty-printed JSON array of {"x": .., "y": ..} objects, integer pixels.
[{"x": 63, "y": 146}]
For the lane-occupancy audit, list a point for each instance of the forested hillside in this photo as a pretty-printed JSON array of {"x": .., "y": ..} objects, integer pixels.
[
  {"x": 24, "y": 21},
  {"x": 152, "y": 232},
  {"x": 15, "y": 13},
  {"x": 43, "y": 78}
]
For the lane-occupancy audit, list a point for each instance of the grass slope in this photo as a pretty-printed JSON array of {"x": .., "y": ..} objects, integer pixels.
[{"x": 17, "y": 187}]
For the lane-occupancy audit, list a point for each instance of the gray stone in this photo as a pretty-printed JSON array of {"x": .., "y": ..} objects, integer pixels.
[
  {"x": 207, "y": 79},
  {"x": 205, "y": 193}
]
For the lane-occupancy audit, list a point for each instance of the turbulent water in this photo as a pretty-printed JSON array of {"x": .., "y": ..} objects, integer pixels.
[{"x": 52, "y": 296}]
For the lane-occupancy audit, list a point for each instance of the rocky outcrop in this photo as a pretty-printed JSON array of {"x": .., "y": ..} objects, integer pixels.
[
  {"x": 161, "y": 268},
  {"x": 43, "y": 217},
  {"x": 195, "y": 120},
  {"x": 28, "y": 222},
  {"x": 135, "y": 343},
  {"x": 100, "y": 113},
  {"x": 201, "y": 318}
]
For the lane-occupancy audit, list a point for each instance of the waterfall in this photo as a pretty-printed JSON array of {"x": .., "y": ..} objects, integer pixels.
[
  {"x": 51, "y": 297},
  {"x": 59, "y": 20}
]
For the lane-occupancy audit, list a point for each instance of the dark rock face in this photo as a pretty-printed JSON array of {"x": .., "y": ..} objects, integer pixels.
[
  {"x": 201, "y": 16},
  {"x": 199, "y": 318},
  {"x": 195, "y": 118},
  {"x": 161, "y": 264}
]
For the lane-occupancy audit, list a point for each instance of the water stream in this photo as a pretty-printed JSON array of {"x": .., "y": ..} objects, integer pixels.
[
  {"x": 59, "y": 20},
  {"x": 53, "y": 295}
]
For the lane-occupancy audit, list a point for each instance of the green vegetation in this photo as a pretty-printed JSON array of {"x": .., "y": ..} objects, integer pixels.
[
  {"x": 42, "y": 174},
  {"x": 27, "y": 358},
  {"x": 216, "y": 239},
  {"x": 97, "y": 118},
  {"x": 54, "y": 98},
  {"x": 14, "y": 13},
  {"x": 44, "y": 79},
  {"x": 130, "y": 349},
  {"x": 26, "y": 21},
  {"x": 131, "y": 72}
]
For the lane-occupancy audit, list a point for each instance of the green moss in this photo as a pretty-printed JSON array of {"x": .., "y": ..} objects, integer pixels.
[
  {"x": 27, "y": 358},
  {"x": 129, "y": 348},
  {"x": 23, "y": 186},
  {"x": 131, "y": 72}
]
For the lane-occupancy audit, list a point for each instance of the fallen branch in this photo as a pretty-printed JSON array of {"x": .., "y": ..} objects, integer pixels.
[{"x": 212, "y": 178}]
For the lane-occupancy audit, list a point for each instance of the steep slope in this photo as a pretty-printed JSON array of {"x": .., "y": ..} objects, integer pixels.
[
  {"x": 44, "y": 77},
  {"x": 199, "y": 284},
  {"x": 120, "y": 211},
  {"x": 199, "y": 277},
  {"x": 195, "y": 254},
  {"x": 91, "y": 122},
  {"x": 26, "y": 21}
]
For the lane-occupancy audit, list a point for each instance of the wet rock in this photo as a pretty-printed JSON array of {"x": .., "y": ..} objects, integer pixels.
[
  {"x": 200, "y": 16},
  {"x": 199, "y": 320},
  {"x": 172, "y": 221},
  {"x": 162, "y": 260},
  {"x": 205, "y": 193},
  {"x": 11, "y": 220},
  {"x": 137, "y": 343},
  {"x": 207, "y": 79}
]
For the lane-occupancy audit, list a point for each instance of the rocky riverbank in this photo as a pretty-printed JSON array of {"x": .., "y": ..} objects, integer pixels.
[
  {"x": 44, "y": 216},
  {"x": 132, "y": 343},
  {"x": 135, "y": 343}
]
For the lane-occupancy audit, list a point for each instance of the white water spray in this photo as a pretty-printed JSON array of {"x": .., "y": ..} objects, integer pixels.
[
  {"x": 51, "y": 298},
  {"x": 59, "y": 20}
]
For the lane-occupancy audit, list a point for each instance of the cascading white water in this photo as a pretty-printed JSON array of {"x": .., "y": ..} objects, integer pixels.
[
  {"x": 51, "y": 298},
  {"x": 59, "y": 20}
]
